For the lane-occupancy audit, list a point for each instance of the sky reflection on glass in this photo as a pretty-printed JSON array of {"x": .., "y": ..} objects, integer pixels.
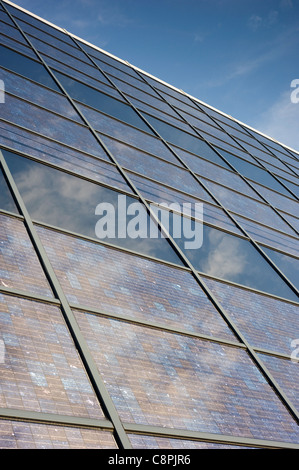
[
  {"x": 288, "y": 265},
  {"x": 6, "y": 200},
  {"x": 235, "y": 259},
  {"x": 18, "y": 63},
  {"x": 101, "y": 101},
  {"x": 66, "y": 201}
]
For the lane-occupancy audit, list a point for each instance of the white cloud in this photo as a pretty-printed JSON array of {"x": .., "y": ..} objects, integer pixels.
[{"x": 281, "y": 120}]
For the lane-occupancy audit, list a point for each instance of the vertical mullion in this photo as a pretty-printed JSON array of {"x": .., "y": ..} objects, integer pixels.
[{"x": 68, "y": 315}]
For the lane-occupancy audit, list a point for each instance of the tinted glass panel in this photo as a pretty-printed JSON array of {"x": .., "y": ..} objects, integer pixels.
[
  {"x": 289, "y": 266},
  {"x": 40, "y": 120},
  {"x": 120, "y": 283},
  {"x": 26, "y": 435},
  {"x": 37, "y": 94},
  {"x": 42, "y": 371},
  {"x": 19, "y": 264},
  {"x": 181, "y": 139},
  {"x": 154, "y": 168},
  {"x": 254, "y": 172},
  {"x": 228, "y": 257},
  {"x": 6, "y": 200},
  {"x": 285, "y": 372},
  {"x": 18, "y": 63},
  {"x": 101, "y": 101},
  {"x": 265, "y": 322},
  {"x": 163, "y": 379},
  {"x": 65, "y": 201}
]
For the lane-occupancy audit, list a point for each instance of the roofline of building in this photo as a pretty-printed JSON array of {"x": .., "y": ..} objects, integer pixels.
[{"x": 125, "y": 62}]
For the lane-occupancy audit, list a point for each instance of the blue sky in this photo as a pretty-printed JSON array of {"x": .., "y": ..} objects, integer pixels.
[{"x": 239, "y": 56}]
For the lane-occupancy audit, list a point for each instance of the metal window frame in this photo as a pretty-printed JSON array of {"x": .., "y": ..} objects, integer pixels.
[{"x": 105, "y": 399}]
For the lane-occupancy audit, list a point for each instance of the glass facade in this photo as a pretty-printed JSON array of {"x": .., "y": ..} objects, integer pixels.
[{"x": 149, "y": 259}]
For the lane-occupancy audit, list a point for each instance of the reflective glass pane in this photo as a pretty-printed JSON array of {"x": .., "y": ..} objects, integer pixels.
[
  {"x": 268, "y": 236},
  {"x": 38, "y": 23},
  {"x": 184, "y": 140},
  {"x": 18, "y": 63},
  {"x": 264, "y": 321},
  {"x": 285, "y": 372},
  {"x": 42, "y": 370},
  {"x": 32, "y": 117},
  {"x": 232, "y": 258},
  {"x": 279, "y": 201},
  {"x": 294, "y": 221},
  {"x": 11, "y": 32},
  {"x": 85, "y": 165},
  {"x": 162, "y": 379},
  {"x": 140, "y": 441},
  {"x": 101, "y": 101},
  {"x": 254, "y": 172},
  {"x": 288, "y": 265},
  {"x": 6, "y": 200},
  {"x": 158, "y": 193},
  {"x": 94, "y": 78},
  {"x": 28, "y": 435},
  {"x": 38, "y": 146},
  {"x": 216, "y": 173},
  {"x": 30, "y": 91},
  {"x": 128, "y": 134},
  {"x": 16, "y": 46},
  {"x": 124, "y": 284},
  {"x": 19, "y": 264},
  {"x": 54, "y": 41},
  {"x": 69, "y": 202},
  {"x": 152, "y": 167},
  {"x": 247, "y": 207}
]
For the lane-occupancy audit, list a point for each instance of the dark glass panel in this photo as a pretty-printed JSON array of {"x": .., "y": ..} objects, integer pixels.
[
  {"x": 131, "y": 135},
  {"x": 11, "y": 32},
  {"x": 156, "y": 192},
  {"x": 184, "y": 140},
  {"x": 251, "y": 208},
  {"x": 154, "y": 168},
  {"x": 93, "y": 79},
  {"x": 254, "y": 172},
  {"x": 33, "y": 92},
  {"x": 228, "y": 257},
  {"x": 279, "y": 201},
  {"x": 288, "y": 265},
  {"x": 271, "y": 237},
  {"x": 107, "y": 58},
  {"x": 38, "y": 23},
  {"x": 16, "y": 46},
  {"x": 101, "y": 101},
  {"x": 55, "y": 42},
  {"x": 6, "y": 200},
  {"x": 216, "y": 173},
  {"x": 66, "y": 201},
  {"x": 18, "y": 63}
]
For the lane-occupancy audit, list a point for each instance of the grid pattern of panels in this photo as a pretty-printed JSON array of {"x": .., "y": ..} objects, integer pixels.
[
  {"x": 40, "y": 366},
  {"x": 266, "y": 322},
  {"x": 95, "y": 276},
  {"x": 20, "y": 267},
  {"x": 25, "y": 435},
  {"x": 169, "y": 344},
  {"x": 161, "y": 379}
]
